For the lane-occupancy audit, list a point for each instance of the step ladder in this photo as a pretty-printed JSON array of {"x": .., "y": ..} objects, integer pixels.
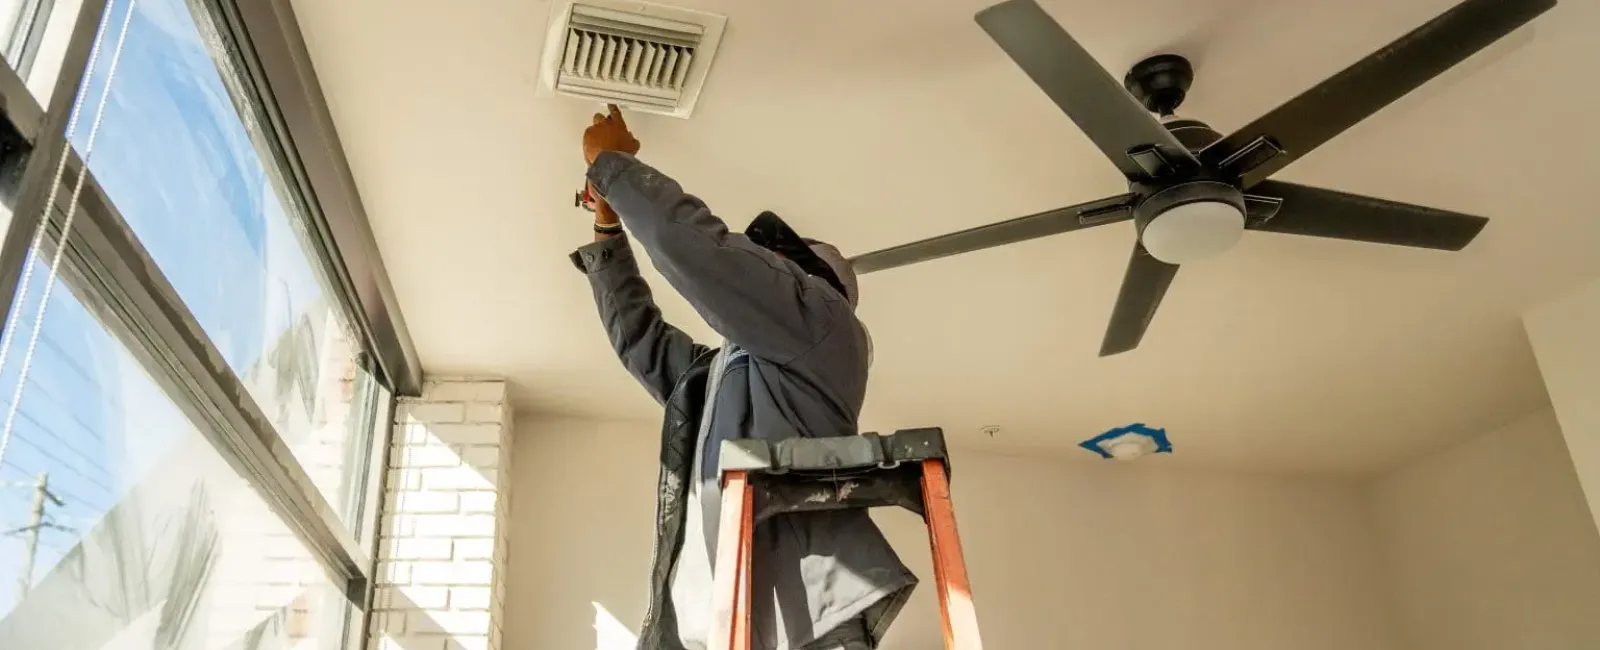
[{"x": 908, "y": 468}]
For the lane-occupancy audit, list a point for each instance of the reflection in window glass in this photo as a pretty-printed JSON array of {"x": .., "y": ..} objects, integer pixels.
[
  {"x": 371, "y": 446},
  {"x": 129, "y": 529},
  {"x": 19, "y": 20},
  {"x": 33, "y": 40},
  {"x": 178, "y": 161}
]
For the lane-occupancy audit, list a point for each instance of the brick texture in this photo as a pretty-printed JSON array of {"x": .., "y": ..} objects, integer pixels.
[
  {"x": 267, "y": 581},
  {"x": 442, "y": 544}
]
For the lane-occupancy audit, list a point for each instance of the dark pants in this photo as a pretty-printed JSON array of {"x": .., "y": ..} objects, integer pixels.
[{"x": 850, "y": 635}]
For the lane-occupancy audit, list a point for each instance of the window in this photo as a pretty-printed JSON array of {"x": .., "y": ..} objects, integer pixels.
[
  {"x": 33, "y": 38},
  {"x": 134, "y": 532},
  {"x": 193, "y": 411},
  {"x": 174, "y": 155},
  {"x": 366, "y": 500}
]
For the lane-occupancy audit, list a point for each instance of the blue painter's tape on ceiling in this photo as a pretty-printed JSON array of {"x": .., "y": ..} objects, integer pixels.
[{"x": 1159, "y": 436}]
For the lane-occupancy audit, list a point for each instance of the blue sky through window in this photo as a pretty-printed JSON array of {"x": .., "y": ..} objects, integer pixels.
[{"x": 175, "y": 157}]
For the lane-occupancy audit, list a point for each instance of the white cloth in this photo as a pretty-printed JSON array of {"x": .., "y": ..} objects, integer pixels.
[{"x": 691, "y": 583}]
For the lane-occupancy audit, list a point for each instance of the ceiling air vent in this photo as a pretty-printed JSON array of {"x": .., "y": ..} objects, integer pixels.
[{"x": 642, "y": 56}]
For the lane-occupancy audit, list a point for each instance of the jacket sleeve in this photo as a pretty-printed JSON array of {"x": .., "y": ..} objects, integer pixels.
[
  {"x": 747, "y": 293},
  {"x": 654, "y": 352}
]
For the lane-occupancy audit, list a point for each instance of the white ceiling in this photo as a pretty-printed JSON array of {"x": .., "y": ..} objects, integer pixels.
[{"x": 872, "y": 124}]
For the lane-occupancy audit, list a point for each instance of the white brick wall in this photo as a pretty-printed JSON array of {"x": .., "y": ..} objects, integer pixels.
[
  {"x": 442, "y": 544},
  {"x": 263, "y": 569}
]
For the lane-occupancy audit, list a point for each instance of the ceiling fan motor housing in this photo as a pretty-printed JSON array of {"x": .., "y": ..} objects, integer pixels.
[
  {"x": 1193, "y": 134},
  {"x": 1193, "y": 215},
  {"x": 1192, "y": 219}
]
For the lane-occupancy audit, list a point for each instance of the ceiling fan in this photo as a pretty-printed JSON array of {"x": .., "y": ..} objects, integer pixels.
[{"x": 1193, "y": 192}]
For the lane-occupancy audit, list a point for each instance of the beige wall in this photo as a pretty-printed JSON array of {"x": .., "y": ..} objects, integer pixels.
[
  {"x": 1489, "y": 545},
  {"x": 1070, "y": 555},
  {"x": 1565, "y": 334}
]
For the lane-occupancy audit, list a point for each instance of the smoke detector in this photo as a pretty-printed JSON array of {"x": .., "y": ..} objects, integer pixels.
[{"x": 641, "y": 56}]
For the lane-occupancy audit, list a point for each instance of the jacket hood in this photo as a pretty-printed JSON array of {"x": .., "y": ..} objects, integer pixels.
[
  {"x": 841, "y": 268},
  {"x": 819, "y": 259}
]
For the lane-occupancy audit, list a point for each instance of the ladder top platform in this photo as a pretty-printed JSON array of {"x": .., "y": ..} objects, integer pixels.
[{"x": 843, "y": 453}]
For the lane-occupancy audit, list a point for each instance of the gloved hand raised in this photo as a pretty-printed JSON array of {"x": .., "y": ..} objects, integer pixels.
[{"x": 608, "y": 133}]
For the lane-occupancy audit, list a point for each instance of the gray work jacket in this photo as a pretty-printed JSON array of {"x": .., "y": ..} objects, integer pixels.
[{"x": 803, "y": 373}]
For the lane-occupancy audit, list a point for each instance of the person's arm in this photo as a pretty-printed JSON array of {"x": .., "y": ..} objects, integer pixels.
[
  {"x": 745, "y": 292},
  {"x": 654, "y": 352}
]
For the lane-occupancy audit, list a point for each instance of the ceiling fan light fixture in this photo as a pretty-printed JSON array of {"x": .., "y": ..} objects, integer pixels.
[{"x": 1193, "y": 231}]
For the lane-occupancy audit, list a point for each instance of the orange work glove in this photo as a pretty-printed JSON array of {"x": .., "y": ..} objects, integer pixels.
[{"x": 608, "y": 133}]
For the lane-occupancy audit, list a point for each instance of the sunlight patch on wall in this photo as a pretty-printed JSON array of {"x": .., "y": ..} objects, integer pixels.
[{"x": 610, "y": 633}]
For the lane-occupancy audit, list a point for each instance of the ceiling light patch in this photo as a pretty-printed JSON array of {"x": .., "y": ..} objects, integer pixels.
[
  {"x": 1130, "y": 442},
  {"x": 641, "y": 56}
]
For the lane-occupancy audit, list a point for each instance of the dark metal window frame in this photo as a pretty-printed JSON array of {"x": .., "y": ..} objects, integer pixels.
[
  {"x": 270, "y": 57},
  {"x": 114, "y": 276}
]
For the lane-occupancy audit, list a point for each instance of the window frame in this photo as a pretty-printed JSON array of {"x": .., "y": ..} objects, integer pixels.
[
  {"x": 270, "y": 59},
  {"x": 44, "y": 128},
  {"x": 263, "y": 58},
  {"x": 23, "y": 45}
]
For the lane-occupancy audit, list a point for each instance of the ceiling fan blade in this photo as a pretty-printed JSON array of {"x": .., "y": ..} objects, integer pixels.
[
  {"x": 1134, "y": 141},
  {"x": 1143, "y": 287},
  {"x": 1292, "y": 130},
  {"x": 1316, "y": 212},
  {"x": 1044, "y": 224}
]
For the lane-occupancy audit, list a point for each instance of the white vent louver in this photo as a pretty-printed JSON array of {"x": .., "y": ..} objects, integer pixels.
[{"x": 641, "y": 56}]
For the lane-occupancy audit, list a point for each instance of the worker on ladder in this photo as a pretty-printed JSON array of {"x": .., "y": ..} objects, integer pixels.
[{"x": 793, "y": 363}]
